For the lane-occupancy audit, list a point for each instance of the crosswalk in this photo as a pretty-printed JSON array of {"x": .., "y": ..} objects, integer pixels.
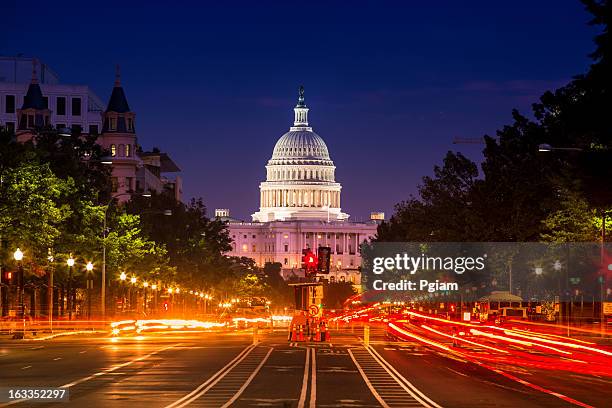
[{"x": 387, "y": 385}]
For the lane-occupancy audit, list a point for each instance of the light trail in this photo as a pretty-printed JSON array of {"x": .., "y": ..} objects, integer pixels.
[{"x": 458, "y": 338}]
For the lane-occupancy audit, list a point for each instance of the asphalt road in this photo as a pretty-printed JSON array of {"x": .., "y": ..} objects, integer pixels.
[{"x": 223, "y": 369}]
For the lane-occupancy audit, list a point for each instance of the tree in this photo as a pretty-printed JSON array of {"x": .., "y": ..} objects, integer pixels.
[
  {"x": 522, "y": 194},
  {"x": 195, "y": 244}
]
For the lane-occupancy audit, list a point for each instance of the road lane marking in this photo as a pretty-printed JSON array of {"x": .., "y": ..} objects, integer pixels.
[
  {"x": 57, "y": 358},
  {"x": 304, "y": 380},
  {"x": 248, "y": 381},
  {"x": 215, "y": 378},
  {"x": 313, "y": 379},
  {"x": 388, "y": 386},
  {"x": 426, "y": 400},
  {"x": 367, "y": 381},
  {"x": 26, "y": 367}
]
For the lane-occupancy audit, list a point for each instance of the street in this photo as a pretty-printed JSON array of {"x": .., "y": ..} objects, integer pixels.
[{"x": 218, "y": 369}]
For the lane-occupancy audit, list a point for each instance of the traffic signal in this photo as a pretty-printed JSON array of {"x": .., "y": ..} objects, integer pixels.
[
  {"x": 309, "y": 261},
  {"x": 8, "y": 277},
  {"x": 324, "y": 259}
]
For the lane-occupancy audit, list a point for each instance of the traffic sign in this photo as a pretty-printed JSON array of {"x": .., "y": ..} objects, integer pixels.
[
  {"x": 607, "y": 308},
  {"x": 313, "y": 310}
]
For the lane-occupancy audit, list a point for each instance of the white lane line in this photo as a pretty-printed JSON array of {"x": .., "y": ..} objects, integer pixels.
[
  {"x": 248, "y": 381},
  {"x": 412, "y": 390},
  {"x": 57, "y": 358},
  {"x": 215, "y": 378},
  {"x": 304, "y": 380},
  {"x": 26, "y": 367},
  {"x": 82, "y": 352},
  {"x": 367, "y": 381},
  {"x": 457, "y": 372},
  {"x": 313, "y": 379},
  {"x": 110, "y": 370}
]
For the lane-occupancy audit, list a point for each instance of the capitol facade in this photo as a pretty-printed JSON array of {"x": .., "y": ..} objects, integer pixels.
[{"x": 300, "y": 208}]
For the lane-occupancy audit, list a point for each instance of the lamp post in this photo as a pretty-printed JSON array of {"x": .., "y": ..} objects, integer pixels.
[
  {"x": 50, "y": 290},
  {"x": 89, "y": 269},
  {"x": 132, "y": 303},
  {"x": 70, "y": 263},
  {"x": 145, "y": 285},
  {"x": 122, "y": 278},
  {"x": 18, "y": 255}
]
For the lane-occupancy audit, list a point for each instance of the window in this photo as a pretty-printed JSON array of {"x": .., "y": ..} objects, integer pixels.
[
  {"x": 245, "y": 247},
  {"x": 76, "y": 106},
  {"x": 76, "y": 129},
  {"x": 113, "y": 123},
  {"x": 286, "y": 248},
  {"x": 286, "y": 261},
  {"x": 253, "y": 235},
  {"x": 46, "y": 102},
  {"x": 130, "y": 124},
  {"x": 128, "y": 150},
  {"x": 93, "y": 129},
  {"x": 244, "y": 236},
  {"x": 10, "y": 127},
  {"x": 10, "y": 104},
  {"x": 121, "y": 150},
  {"x": 128, "y": 183},
  {"x": 60, "y": 126},
  {"x": 332, "y": 279},
  {"x": 114, "y": 184},
  {"x": 60, "y": 105},
  {"x": 113, "y": 150},
  {"x": 254, "y": 248},
  {"x": 30, "y": 121}
]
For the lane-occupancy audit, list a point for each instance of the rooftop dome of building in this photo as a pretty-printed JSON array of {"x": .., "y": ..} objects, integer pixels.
[{"x": 300, "y": 144}]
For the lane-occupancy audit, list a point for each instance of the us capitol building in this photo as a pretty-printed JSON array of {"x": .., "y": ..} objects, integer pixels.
[{"x": 300, "y": 208}]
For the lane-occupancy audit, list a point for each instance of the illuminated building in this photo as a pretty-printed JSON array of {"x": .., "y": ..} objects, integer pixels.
[
  {"x": 300, "y": 208},
  {"x": 30, "y": 103}
]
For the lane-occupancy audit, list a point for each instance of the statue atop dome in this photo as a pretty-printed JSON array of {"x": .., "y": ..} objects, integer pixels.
[{"x": 301, "y": 103}]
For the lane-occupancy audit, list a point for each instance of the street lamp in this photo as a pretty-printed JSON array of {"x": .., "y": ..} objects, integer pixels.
[
  {"x": 18, "y": 255},
  {"x": 70, "y": 263},
  {"x": 145, "y": 285},
  {"x": 544, "y": 147},
  {"x": 122, "y": 276},
  {"x": 89, "y": 268}
]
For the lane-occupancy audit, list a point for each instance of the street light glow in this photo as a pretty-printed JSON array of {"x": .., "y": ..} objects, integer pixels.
[
  {"x": 18, "y": 255},
  {"x": 170, "y": 290},
  {"x": 145, "y": 284},
  {"x": 133, "y": 279},
  {"x": 70, "y": 261},
  {"x": 89, "y": 266},
  {"x": 154, "y": 286},
  {"x": 123, "y": 276}
]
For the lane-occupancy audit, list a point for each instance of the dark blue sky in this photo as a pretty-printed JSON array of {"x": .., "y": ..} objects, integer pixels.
[{"x": 389, "y": 84}]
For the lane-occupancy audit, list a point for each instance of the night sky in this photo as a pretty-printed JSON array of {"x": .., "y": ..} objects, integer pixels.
[{"x": 389, "y": 84}]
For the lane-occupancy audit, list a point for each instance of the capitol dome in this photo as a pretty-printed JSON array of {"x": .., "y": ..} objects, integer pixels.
[
  {"x": 300, "y": 177},
  {"x": 300, "y": 145}
]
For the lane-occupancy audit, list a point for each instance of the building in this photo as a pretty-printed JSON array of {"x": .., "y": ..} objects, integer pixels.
[
  {"x": 44, "y": 102},
  {"x": 69, "y": 106},
  {"x": 300, "y": 208}
]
